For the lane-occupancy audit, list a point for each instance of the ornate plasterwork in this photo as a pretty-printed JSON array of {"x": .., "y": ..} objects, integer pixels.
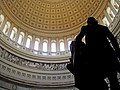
[
  {"x": 19, "y": 70},
  {"x": 33, "y": 78},
  {"x": 4, "y": 54},
  {"x": 13, "y": 86},
  {"x": 52, "y": 18},
  {"x": 54, "y": 1},
  {"x": 12, "y": 47}
]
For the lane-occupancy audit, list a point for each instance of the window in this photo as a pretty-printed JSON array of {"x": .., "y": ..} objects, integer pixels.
[
  {"x": 13, "y": 33},
  {"x": 69, "y": 42},
  {"x": 20, "y": 39},
  {"x": 106, "y": 22},
  {"x": 28, "y": 41},
  {"x": 36, "y": 46},
  {"x": 45, "y": 46},
  {"x": 53, "y": 46},
  {"x": 110, "y": 13},
  {"x": 115, "y": 4},
  {"x": 62, "y": 46},
  {"x": 6, "y": 28},
  {"x": 1, "y": 19}
]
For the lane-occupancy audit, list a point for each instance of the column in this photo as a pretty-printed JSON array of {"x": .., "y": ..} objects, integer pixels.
[
  {"x": 112, "y": 8},
  {"x": 57, "y": 45},
  {"x": 10, "y": 30},
  {"x": 17, "y": 35},
  {"x": 40, "y": 49},
  {"x": 49, "y": 45},
  {"x": 66, "y": 44},
  {"x": 3, "y": 24},
  {"x": 25, "y": 39},
  {"x": 107, "y": 16},
  {"x": 41, "y": 44},
  {"x": 100, "y": 21},
  {"x": 118, "y": 2},
  {"x": 32, "y": 43}
]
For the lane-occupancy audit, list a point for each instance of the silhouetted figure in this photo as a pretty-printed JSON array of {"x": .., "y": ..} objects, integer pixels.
[
  {"x": 97, "y": 58},
  {"x": 75, "y": 65},
  {"x": 70, "y": 66}
]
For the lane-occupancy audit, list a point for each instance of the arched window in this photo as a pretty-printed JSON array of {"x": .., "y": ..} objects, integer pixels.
[
  {"x": 110, "y": 13},
  {"x": 69, "y": 42},
  {"x": 45, "y": 43},
  {"x": 6, "y": 28},
  {"x": 13, "y": 33},
  {"x": 20, "y": 39},
  {"x": 62, "y": 46},
  {"x": 115, "y": 4},
  {"x": 106, "y": 22},
  {"x": 28, "y": 41},
  {"x": 36, "y": 45},
  {"x": 53, "y": 46},
  {"x": 1, "y": 19}
]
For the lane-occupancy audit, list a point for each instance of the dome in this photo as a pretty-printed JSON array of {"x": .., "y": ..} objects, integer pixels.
[
  {"x": 47, "y": 27},
  {"x": 35, "y": 38},
  {"x": 52, "y": 18}
]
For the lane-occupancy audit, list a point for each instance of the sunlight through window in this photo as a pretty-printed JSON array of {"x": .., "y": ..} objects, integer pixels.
[
  {"x": 28, "y": 41},
  {"x": 62, "y": 47},
  {"x": 53, "y": 47},
  {"x": 44, "y": 46}
]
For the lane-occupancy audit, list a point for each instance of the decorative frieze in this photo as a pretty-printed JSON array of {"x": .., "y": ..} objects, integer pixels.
[
  {"x": 12, "y": 86},
  {"x": 30, "y": 78},
  {"x": 31, "y": 64}
]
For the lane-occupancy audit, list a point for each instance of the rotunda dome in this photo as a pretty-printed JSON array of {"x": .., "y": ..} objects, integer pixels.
[
  {"x": 35, "y": 38},
  {"x": 52, "y": 18}
]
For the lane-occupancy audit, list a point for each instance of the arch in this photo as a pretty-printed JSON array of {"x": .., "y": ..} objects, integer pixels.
[
  {"x": 105, "y": 21},
  {"x": 36, "y": 45},
  {"x": 1, "y": 19},
  {"x": 53, "y": 46},
  {"x": 45, "y": 45},
  {"x": 110, "y": 13},
  {"x": 69, "y": 40},
  {"x": 6, "y": 28},
  {"x": 13, "y": 33},
  {"x": 29, "y": 39},
  {"x": 115, "y": 4},
  {"x": 62, "y": 45},
  {"x": 20, "y": 38}
]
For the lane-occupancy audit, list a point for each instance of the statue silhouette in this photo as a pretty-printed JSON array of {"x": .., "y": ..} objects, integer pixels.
[{"x": 95, "y": 59}]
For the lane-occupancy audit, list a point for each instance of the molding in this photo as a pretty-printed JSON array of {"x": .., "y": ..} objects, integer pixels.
[
  {"x": 35, "y": 79},
  {"x": 11, "y": 47}
]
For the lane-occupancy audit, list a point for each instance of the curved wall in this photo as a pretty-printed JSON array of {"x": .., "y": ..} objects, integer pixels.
[
  {"x": 20, "y": 70},
  {"x": 29, "y": 41}
]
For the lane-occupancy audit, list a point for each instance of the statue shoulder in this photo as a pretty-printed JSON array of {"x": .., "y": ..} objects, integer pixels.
[
  {"x": 102, "y": 26},
  {"x": 83, "y": 27}
]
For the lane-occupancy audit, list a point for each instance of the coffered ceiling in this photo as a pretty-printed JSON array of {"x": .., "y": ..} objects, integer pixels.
[{"x": 52, "y": 18}]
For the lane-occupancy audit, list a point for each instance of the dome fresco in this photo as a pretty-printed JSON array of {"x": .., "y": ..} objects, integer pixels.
[{"x": 52, "y": 18}]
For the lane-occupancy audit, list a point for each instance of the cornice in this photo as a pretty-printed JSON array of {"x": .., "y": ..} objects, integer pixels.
[
  {"x": 115, "y": 25},
  {"x": 35, "y": 79},
  {"x": 5, "y": 43}
]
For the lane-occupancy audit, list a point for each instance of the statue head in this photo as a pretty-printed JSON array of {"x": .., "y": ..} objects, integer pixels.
[{"x": 92, "y": 21}]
